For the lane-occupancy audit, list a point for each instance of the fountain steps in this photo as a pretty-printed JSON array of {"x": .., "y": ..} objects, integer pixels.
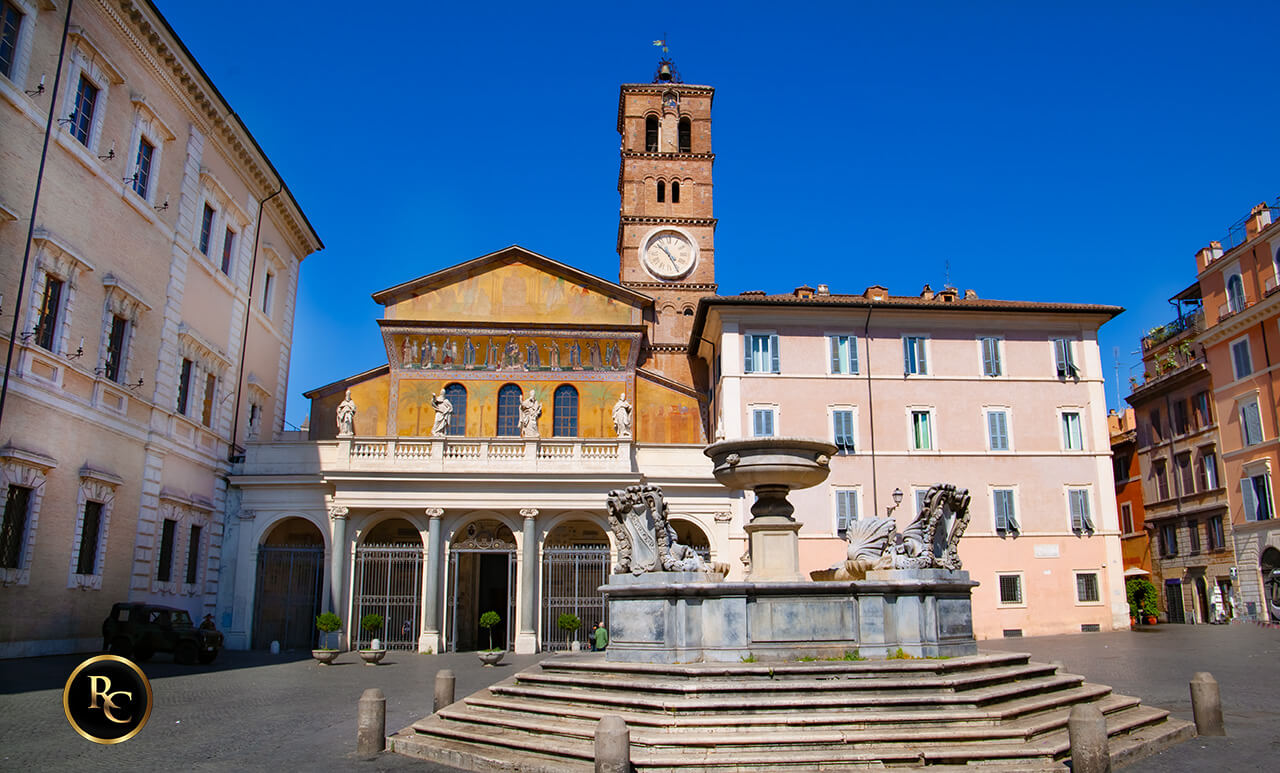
[{"x": 999, "y": 712}]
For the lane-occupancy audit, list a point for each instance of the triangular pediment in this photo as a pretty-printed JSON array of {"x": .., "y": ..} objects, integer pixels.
[{"x": 513, "y": 286}]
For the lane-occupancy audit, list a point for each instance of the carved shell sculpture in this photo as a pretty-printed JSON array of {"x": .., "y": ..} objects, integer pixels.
[{"x": 869, "y": 538}]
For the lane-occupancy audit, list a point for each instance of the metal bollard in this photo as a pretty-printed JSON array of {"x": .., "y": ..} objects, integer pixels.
[
  {"x": 1087, "y": 731},
  {"x": 444, "y": 689},
  {"x": 1206, "y": 704},
  {"x": 371, "y": 719},
  {"x": 613, "y": 745}
]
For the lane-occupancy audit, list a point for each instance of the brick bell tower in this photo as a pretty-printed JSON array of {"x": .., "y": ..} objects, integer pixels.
[{"x": 666, "y": 228}]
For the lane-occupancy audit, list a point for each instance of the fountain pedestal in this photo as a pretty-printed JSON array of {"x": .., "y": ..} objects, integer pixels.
[{"x": 774, "y": 545}]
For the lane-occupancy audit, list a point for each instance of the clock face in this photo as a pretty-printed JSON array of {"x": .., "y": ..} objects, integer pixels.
[{"x": 669, "y": 254}]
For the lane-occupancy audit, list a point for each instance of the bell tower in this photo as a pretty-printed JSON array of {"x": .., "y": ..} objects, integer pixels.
[{"x": 666, "y": 225}]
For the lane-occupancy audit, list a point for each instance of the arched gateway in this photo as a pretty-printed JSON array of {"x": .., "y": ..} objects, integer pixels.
[
  {"x": 575, "y": 563},
  {"x": 388, "y": 581},
  {"x": 290, "y": 577}
]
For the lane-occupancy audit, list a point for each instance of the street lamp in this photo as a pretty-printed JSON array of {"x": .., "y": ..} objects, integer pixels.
[{"x": 897, "y": 500}]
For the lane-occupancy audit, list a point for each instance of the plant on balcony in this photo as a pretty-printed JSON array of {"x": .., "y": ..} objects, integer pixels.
[{"x": 1184, "y": 349}]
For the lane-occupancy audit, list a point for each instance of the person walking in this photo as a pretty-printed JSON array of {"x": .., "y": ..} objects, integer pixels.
[
  {"x": 591, "y": 638},
  {"x": 600, "y": 637}
]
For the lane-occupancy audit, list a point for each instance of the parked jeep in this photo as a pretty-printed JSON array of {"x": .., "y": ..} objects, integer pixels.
[{"x": 140, "y": 630}]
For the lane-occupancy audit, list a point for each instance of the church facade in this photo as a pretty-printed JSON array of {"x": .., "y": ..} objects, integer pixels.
[{"x": 468, "y": 474}]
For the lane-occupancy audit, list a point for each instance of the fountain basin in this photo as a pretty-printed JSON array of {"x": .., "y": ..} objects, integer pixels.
[
  {"x": 678, "y": 617},
  {"x": 792, "y": 463}
]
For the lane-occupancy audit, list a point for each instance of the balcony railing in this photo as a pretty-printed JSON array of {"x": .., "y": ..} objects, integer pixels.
[
  {"x": 1167, "y": 363},
  {"x": 456, "y": 453},
  {"x": 1192, "y": 321}
]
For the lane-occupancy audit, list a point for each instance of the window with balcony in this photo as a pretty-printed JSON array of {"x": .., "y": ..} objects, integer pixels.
[{"x": 1235, "y": 293}]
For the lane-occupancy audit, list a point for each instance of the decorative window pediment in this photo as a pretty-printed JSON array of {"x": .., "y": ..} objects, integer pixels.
[
  {"x": 123, "y": 299},
  {"x": 219, "y": 193},
  {"x": 27, "y": 469},
  {"x": 89, "y": 56},
  {"x": 151, "y": 120},
  {"x": 197, "y": 348},
  {"x": 54, "y": 257}
]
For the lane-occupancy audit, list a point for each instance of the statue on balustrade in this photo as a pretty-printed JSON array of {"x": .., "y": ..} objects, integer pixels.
[
  {"x": 347, "y": 416},
  {"x": 530, "y": 412},
  {"x": 444, "y": 410},
  {"x": 646, "y": 540},
  {"x": 622, "y": 416},
  {"x": 930, "y": 542}
]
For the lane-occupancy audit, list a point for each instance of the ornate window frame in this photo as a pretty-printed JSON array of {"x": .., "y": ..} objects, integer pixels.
[
  {"x": 22, "y": 467},
  {"x": 122, "y": 300},
  {"x": 86, "y": 59},
  {"x": 54, "y": 259},
  {"x": 95, "y": 486},
  {"x": 185, "y": 512}
]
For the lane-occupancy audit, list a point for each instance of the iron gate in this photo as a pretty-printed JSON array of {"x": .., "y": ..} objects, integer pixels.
[
  {"x": 388, "y": 582},
  {"x": 571, "y": 577},
  {"x": 471, "y": 578},
  {"x": 287, "y": 598}
]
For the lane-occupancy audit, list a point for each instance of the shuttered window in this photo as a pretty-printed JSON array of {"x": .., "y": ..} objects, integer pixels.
[
  {"x": 1006, "y": 520},
  {"x": 844, "y": 354},
  {"x": 762, "y": 422},
  {"x": 1081, "y": 520},
  {"x": 991, "y": 357},
  {"x": 843, "y": 430},
  {"x": 1251, "y": 423},
  {"x": 913, "y": 356},
  {"x": 998, "y": 430},
  {"x": 761, "y": 354},
  {"x": 846, "y": 509}
]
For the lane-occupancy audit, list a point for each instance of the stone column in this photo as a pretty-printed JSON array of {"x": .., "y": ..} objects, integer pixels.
[
  {"x": 429, "y": 636},
  {"x": 527, "y": 636},
  {"x": 338, "y": 560}
]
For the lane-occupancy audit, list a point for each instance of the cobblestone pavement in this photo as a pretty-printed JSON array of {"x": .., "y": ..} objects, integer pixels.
[{"x": 252, "y": 711}]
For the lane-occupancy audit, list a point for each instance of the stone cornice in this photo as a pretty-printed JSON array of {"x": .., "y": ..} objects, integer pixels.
[
  {"x": 668, "y": 156},
  {"x": 158, "y": 46},
  {"x": 1237, "y": 323}
]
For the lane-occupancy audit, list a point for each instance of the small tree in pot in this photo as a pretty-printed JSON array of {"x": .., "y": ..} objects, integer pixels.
[
  {"x": 570, "y": 623},
  {"x": 327, "y": 623},
  {"x": 492, "y": 655},
  {"x": 372, "y": 623}
]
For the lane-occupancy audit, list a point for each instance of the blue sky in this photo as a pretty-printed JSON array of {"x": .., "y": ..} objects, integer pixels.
[{"x": 1079, "y": 152}]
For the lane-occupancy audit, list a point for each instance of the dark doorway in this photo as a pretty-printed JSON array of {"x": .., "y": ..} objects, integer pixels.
[
  {"x": 290, "y": 575},
  {"x": 492, "y": 597},
  {"x": 1173, "y": 601},
  {"x": 1202, "y": 600}
]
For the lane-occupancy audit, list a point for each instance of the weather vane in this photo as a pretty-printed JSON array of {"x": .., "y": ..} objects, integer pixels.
[{"x": 666, "y": 68}]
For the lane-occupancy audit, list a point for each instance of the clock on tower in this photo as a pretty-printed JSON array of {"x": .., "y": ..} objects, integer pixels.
[{"x": 666, "y": 229}]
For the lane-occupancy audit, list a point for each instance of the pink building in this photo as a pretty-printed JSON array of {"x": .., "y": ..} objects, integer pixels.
[{"x": 1004, "y": 398}]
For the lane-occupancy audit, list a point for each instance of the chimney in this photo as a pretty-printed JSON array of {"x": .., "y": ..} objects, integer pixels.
[
  {"x": 1207, "y": 255},
  {"x": 927, "y": 292},
  {"x": 876, "y": 293},
  {"x": 971, "y": 295},
  {"x": 804, "y": 291},
  {"x": 823, "y": 290},
  {"x": 948, "y": 294},
  {"x": 1259, "y": 218}
]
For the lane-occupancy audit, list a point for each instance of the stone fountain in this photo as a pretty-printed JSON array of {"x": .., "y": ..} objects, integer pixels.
[
  {"x": 681, "y": 668},
  {"x": 898, "y": 591}
]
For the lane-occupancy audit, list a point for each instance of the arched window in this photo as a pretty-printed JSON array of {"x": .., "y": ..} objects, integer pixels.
[
  {"x": 1235, "y": 292},
  {"x": 651, "y": 134},
  {"x": 509, "y": 410},
  {"x": 662, "y": 191},
  {"x": 564, "y": 421},
  {"x": 686, "y": 135},
  {"x": 675, "y": 192},
  {"x": 457, "y": 395}
]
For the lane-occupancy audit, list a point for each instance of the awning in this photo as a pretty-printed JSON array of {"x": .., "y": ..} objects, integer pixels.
[{"x": 1135, "y": 571}]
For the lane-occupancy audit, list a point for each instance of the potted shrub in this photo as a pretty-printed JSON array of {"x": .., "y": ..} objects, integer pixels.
[
  {"x": 327, "y": 623},
  {"x": 371, "y": 623},
  {"x": 570, "y": 623},
  {"x": 492, "y": 655},
  {"x": 1142, "y": 599}
]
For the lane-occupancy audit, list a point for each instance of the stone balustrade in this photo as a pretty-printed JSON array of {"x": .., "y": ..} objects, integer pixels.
[{"x": 448, "y": 454}]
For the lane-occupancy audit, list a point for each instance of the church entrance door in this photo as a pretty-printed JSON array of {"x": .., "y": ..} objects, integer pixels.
[{"x": 481, "y": 578}]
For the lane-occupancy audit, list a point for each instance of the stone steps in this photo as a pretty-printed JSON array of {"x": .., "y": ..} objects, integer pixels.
[{"x": 999, "y": 712}]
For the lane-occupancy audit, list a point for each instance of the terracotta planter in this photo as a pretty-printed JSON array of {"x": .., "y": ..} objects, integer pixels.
[
  {"x": 490, "y": 657},
  {"x": 326, "y": 657},
  {"x": 372, "y": 657},
  {"x": 1151, "y": 620}
]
